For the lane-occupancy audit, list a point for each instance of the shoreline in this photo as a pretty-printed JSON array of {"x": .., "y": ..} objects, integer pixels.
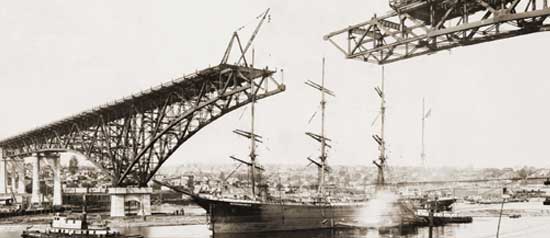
[{"x": 528, "y": 209}]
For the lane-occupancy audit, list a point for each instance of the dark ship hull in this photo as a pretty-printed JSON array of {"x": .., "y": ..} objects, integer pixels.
[
  {"x": 228, "y": 216},
  {"x": 445, "y": 204}
]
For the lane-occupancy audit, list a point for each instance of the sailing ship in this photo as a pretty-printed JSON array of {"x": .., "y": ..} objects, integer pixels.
[
  {"x": 440, "y": 203},
  {"x": 262, "y": 213}
]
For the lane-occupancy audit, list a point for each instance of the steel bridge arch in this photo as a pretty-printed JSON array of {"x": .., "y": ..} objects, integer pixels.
[{"x": 131, "y": 138}]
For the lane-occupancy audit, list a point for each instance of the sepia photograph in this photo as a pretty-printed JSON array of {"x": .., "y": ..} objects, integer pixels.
[{"x": 275, "y": 119}]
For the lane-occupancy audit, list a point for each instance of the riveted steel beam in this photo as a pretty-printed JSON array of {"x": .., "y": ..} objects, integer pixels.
[
  {"x": 131, "y": 138},
  {"x": 420, "y": 27}
]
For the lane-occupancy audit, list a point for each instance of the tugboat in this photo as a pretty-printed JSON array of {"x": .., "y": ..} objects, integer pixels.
[
  {"x": 63, "y": 226},
  {"x": 74, "y": 227},
  {"x": 439, "y": 204}
]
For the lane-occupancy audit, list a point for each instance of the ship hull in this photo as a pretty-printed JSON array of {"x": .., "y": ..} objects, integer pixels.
[{"x": 245, "y": 217}]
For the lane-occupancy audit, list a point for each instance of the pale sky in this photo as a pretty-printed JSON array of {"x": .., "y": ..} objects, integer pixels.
[{"x": 488, "y": 101}]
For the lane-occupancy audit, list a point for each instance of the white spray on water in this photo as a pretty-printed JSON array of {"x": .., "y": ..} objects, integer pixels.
[{"x": 381, "y": 210}]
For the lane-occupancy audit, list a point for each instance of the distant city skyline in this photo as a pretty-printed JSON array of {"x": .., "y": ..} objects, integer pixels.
[{"x": 488, "y": 101}]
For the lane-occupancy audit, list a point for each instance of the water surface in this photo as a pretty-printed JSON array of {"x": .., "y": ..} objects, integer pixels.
[{"x": 482, "y": 227}]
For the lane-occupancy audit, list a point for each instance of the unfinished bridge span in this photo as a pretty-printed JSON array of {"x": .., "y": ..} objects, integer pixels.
[
  {"x": 131, "y": 138},
  {"x": 419, "y": 27}
]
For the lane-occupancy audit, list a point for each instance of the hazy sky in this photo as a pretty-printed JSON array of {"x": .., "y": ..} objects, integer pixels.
[{"x": 489, "y": 102}]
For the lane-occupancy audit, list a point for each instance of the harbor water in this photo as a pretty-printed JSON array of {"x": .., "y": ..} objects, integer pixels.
[{"x": 482, "y": 227}]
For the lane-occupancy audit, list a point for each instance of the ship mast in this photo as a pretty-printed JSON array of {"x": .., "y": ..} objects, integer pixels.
[
  {"x": 381, "y": 163},
  {"x": 323, "y": 156},
  {"x": 252, "y": 142},
  {"x": 254, "y": 138},
  {"x": 322, "y": 166},
  {"x": 249, "y": 134}
]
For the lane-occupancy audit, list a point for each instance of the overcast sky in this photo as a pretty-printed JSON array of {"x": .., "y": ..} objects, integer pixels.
[{"x": 489, "y": 102}]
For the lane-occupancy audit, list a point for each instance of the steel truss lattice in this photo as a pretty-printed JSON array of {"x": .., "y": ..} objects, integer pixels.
[
  {"x": 130, "y": 139},
  {"x": 419, "y": 27}
]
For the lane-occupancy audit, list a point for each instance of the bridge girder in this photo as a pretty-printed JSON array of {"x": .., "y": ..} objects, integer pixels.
[
  {"x": 131, "y": 138},
  {"x": 419, "y": 27}
]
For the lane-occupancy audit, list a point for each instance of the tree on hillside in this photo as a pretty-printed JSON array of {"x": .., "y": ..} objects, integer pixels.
[
  {"x": 524, "y": 172},
  {"x": 73, "y": 165}
]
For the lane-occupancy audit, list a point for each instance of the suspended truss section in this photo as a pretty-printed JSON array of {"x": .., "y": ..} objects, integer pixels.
[
  {"x": 131, "y": 138},
  {"x": 419, "y": 27}
]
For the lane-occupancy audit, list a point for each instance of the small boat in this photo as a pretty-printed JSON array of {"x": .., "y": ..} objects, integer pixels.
[
  {"x": 440, "y": 204},
  {"x": 63, "y": 226}
]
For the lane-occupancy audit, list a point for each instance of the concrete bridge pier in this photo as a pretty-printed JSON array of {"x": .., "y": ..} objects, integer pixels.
[
  {"x": 20, "y": 167},
  {"x": 17, "y": 188},
  {"x": 13, "y": 177},
  {"x": 57, "y": 191},
  {"x": 3, "y": 174},
  {"x": 36, "y": 196},
  {"x": 119, "y": 196},
  {"x": 53, "y": 161}
]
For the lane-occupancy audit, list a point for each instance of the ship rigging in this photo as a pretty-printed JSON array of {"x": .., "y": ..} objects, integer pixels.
[
  {"x": 322, "y": 165},
  {"x": 254, "y": 168}
]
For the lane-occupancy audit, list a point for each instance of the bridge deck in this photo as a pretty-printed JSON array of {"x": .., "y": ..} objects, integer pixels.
[
  {"x": 188, "y": 84},
  {"x": 132, "y": 137}
]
